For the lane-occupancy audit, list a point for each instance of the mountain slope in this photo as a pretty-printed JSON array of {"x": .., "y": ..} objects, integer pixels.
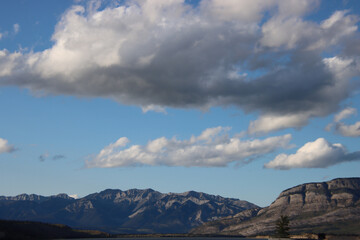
[
  {"x": 131, "y": 211},
  {"x": 332, "y": 207}
]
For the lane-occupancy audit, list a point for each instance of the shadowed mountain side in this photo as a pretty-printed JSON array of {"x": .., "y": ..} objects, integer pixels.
[
  {"x": 330, "y": 207},
  {"x": 116, "y": 211}
]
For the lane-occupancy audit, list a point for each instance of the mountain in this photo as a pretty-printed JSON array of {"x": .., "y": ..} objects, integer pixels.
[
  {"x": 116, "y": 211},
  {"x": 329, "y": 207}
]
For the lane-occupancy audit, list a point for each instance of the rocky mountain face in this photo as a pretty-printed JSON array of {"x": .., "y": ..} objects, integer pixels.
[
  {"x": 116, "y": 211},
  {"x": 330, "y": 207}
]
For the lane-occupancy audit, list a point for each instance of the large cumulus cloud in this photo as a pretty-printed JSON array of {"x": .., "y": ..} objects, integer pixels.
[
  {"x": 163, "y": 53},
  {"x": 212, "y": 148},
  {"x": 317, "y": 154}
]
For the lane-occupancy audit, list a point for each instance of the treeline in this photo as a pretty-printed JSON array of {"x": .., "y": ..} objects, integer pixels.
[{"x": 36, "y": 230}]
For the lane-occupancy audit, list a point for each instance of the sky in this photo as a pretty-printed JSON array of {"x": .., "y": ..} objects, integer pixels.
[{"x": 242, "y": 99}]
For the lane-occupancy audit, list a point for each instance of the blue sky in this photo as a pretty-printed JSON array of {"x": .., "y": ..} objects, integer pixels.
[{"x": 233, "y": 98}]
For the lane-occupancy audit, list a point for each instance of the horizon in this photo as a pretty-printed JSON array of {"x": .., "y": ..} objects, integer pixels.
[{"x": 241, "y": 99}]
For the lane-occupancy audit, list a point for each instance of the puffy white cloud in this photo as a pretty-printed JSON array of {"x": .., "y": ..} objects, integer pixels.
[
  {"x": 158, "y": 54},
  {"x": 317, "y": 154},
  {"x": 212, "y": 148},
  {"x": 5, "y": 147}
]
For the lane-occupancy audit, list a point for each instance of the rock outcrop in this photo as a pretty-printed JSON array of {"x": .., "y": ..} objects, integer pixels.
[{"x": 332, "y": 207}]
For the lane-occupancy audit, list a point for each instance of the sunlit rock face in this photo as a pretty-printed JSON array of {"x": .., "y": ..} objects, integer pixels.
[{"x": 312, "y": 207}]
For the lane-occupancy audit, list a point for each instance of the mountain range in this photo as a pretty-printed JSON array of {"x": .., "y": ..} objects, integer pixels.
[
  {"x": 116, "y": 211},
  {"x": 328, "y": 207}
]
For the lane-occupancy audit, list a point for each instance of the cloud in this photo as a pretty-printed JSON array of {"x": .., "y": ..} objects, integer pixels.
[
  {"x": 268, "y": 123},
  {"x": 154, "y": 108},
  {"x": 16, "y": 28},
  {"x": 8, "y": 62},
  {"x": 5, "y": 147},
  {"x": 342, "y": 128},
  {"x": 155, "y": 54},
  {"x": 212, "y": 148},
  {"x": 347, "y": 112},
  {"x": 4, "y": 34},
  {"x": 291, "y": 31},
  {"x": 75, "y": 196},
  {"x": 348, "y": 130},
  {"x": 317, "y": 154}
]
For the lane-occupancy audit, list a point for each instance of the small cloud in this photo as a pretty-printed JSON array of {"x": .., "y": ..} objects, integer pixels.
[
  {"x": 317, "y": 154},
  {"x": 347, "y": 112},
  {"x": 348, "y": 130},
  {"x": 342, "y": 128},
  {"x": 16, "y": 28},
  {"x": 5, "y": 147},
  {"x": 3, "y": 34},
  {"x": 74, "y": 196},
  {"x": 58, "y": 156},
  {"x": 329, "y": 127},
  {"x": 270, "y": 123},
  {"x": 43, "y": 157},
  {"x": 154, "y": 108}
]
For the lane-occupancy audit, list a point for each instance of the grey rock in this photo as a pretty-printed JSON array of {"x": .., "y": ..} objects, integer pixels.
[{"x": 330, "y": 207}]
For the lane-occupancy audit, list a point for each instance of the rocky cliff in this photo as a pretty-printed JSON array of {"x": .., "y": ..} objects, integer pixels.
[
  {"x": 332, "y": 207},
  {"x": 116, "y": 211}
]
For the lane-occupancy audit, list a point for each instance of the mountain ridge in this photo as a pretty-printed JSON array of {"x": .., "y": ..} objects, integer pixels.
[
  {"x": 117, "y": 211},
  {"x": 332, "y": 207}
]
